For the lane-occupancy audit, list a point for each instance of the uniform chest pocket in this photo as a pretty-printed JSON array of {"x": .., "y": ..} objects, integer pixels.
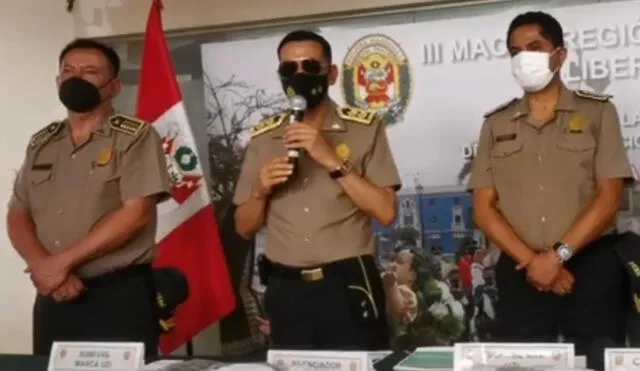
[
  {"x": 41, "y": 189},
  {"x": 104, "y": 182},
  {"x": 506, "y": 149},
  {"x": 577, "y": 150},
  {"x": 578, "y": 143},
  {"x": 39, "y": 178}
]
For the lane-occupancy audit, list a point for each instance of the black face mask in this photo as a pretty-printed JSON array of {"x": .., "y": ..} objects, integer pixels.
[
  {"x": 79, "y": 95},
  {"x": 313, "y": 88}
]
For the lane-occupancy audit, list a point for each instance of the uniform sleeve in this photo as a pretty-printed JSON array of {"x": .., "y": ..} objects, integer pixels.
[
  {"x": 249, "y": 174},
  {"x": 379, "y": 166},
  {"x": 20, "y": 196},
  {"x": 144, "y": 170},
  {"x": 611, "y": 160},
  {"x": 481, "y": 173}
]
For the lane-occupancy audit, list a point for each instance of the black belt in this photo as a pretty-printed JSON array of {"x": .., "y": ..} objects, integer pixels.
[
  {"x": 316, "y": 273},
  {"x": 106, "y": 279}
]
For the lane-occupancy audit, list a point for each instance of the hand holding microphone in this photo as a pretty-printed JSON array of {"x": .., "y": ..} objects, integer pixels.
[
  {"x": 306, "y": 137},
  {"x": 279, "y": 170},
  {"x": 298, "y": 106}
]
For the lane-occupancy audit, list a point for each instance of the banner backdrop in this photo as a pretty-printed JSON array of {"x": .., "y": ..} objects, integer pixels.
[{"x": 433, "y": 81}]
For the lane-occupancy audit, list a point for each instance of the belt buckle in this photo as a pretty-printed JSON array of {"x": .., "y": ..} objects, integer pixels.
[{"x": 312, "y": 275}]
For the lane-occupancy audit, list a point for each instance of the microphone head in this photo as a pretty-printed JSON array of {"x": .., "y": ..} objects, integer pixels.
[{"x": 298, "y": 103}]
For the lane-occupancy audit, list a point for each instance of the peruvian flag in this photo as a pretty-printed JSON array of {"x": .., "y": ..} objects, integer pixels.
[{"x": 187, "y": 227}]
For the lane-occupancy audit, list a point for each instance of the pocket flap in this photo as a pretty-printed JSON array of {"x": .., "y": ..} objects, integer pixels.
[
  {"x": 506, "y": 148},
  {"x": 577, "y": 144},
  {"x": 39, "y": 177}
]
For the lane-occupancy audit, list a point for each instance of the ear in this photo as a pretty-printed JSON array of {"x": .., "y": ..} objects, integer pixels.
[
  {"x": 116, "y": 87},
  {"x": 58, "y": 81},
  {"x": 561, "y": 56},
  {"x": 333, "y": 74}
]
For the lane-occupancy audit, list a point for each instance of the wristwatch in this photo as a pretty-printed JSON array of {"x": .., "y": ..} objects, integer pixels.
[
  {"x": 563, "y": 251},
  {"x": 341, "y": 170}
]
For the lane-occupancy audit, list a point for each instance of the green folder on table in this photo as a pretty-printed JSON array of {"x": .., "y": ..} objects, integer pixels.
[{"x": 427, "y": 359}]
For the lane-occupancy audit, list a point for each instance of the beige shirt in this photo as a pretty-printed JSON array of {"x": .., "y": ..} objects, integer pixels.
[
  {"x": 67, "y": 189},
  {"x": 546, "y": 176},
  {"x": 311, "y": 220}
]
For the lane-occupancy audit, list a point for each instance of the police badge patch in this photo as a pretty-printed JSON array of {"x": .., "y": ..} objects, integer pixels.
[{"x": 377, "y": 76}]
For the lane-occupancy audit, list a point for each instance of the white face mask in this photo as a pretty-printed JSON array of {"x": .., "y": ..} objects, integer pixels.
[{"x": 531, "y": 70}]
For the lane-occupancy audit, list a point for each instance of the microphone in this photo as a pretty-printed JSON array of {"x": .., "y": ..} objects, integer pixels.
[{"x": 298, "y": 105}]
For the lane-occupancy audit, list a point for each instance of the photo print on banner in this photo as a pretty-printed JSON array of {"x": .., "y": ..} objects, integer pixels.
[{"x": 432, "y": 81}]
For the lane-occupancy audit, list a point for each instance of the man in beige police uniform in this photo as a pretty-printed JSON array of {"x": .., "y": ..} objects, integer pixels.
[
  {"x": 323, "y": 288},
  {"x": 547, "y": 182},
  {"x": 83, "y": 211}
]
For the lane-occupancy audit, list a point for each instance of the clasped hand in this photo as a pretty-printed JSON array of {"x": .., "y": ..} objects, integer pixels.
[
  {"x": 51, "y": 277},
  {"x": 546, "y": 273}
]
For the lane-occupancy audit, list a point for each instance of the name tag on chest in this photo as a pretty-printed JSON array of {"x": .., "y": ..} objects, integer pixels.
[{"x": 85, "y": 356}]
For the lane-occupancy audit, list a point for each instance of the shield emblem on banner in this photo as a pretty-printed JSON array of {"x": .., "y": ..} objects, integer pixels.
[{"x": 377, "y": 76}]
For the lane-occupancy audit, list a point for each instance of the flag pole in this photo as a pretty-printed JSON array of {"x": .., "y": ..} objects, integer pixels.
[{"x": 189, "y": 349}]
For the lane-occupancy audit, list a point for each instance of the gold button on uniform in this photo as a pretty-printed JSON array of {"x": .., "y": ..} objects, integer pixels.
[
  {"x": 77, "y": 177},
  {"x": 571, "y": 153},
  {"x": 316, "y": 210}
]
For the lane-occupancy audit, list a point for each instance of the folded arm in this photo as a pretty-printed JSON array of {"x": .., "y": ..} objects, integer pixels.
[
  {"x": 113, "y": 232},
  {"x": 143, "y": 181},
  {"x": 252, "y": 206},
  {"x": 489, "y": 219},
  {"x": 20, "y": 226},
  {"x": 487, "y": 215},
  {"x": 22, "y": 234},
  {"x": 612, "y": 170},
  {"x": 375, "y": 191}
]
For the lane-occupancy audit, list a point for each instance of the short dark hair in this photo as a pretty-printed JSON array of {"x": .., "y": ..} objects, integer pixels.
[
  {"x": 550, "y": 28},
  {"x": 304, "y": 35},
  {"x": 91, "y": 44}
]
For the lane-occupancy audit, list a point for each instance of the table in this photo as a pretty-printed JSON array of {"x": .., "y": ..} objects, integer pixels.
[{"x": 24, "y": 362}]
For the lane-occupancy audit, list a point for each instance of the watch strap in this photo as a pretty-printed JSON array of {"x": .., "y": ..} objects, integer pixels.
[
  {"x": 563, "y": 251},
  {"x": 341, "y": 170}
]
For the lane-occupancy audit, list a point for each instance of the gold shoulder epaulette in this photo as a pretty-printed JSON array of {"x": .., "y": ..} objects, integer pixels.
[
  {"x": 127, "y": 125},
  {"x": 358, "y": 115},
  {"x": 268, "y": 124},
  {"x": 43, "y": 135},
  {"x": 501, "y": 107},
  {"x": 592, "y": 95}
]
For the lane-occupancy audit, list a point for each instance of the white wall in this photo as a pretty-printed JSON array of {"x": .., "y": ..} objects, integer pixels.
[
  {"x": 32, "y": 32},
  {"x": 98, "y": 18},
  {"x": 30, "y": 45}
]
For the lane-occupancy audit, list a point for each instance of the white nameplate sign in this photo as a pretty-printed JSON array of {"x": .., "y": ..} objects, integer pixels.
[
  {"x": 627, "y": 359},
  {"x": 466, "y": 356},
  {"x": 86, "y": 356},
  {"x": 301, "y": 360}
]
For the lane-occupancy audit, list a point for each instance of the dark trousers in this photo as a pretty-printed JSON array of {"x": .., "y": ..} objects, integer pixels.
[
  {"x": 117, "y": 307},
  {"x": 326, "y": 314},
  {"x": 592, "y": 317}
]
